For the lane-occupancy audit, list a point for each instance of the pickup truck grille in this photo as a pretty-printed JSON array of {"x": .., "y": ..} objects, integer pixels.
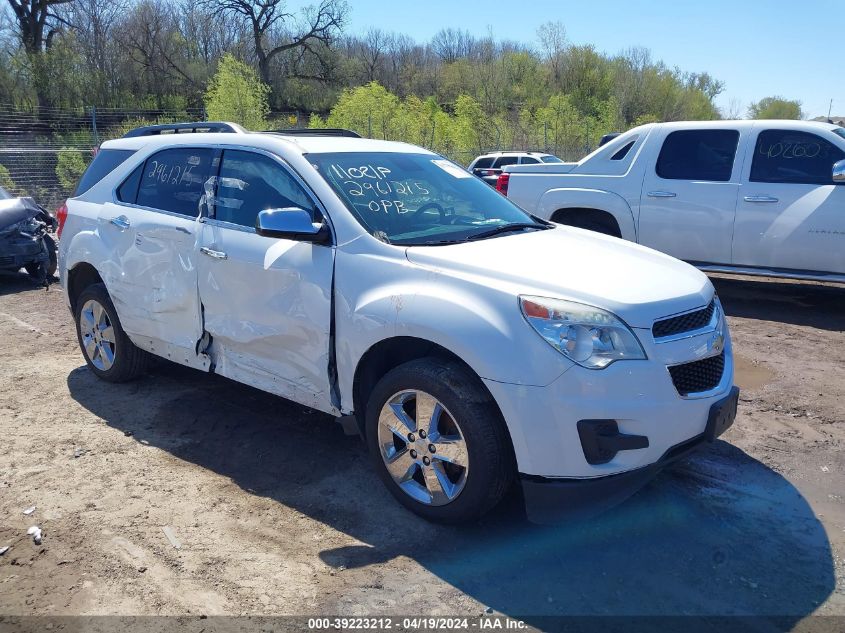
[
  {"x": 698, "y": 376},
  {"x": 684, "y": 322}
]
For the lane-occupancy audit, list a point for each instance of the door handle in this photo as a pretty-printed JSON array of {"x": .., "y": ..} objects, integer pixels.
[
  {"x": 214, "y": 254},
  {"x": 661, "y": 194},
  {"x": 760, "y": 199},
  {"x": 121, "y": 222}
]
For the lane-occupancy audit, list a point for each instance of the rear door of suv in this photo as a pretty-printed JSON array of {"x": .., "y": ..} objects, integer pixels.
[
  {"x": 266, "y": 301},
  {"x": 150, "y": 232}
]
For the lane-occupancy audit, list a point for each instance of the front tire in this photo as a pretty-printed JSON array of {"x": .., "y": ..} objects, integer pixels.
[
  {"x": 107, "y": 349},
  {"x": 438, "y": 441}
]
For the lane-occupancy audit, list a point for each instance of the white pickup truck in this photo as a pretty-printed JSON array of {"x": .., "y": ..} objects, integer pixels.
[{"x": 754, "y": 197}]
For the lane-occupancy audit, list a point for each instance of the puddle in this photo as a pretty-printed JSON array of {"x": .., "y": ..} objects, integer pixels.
[{"x": 750, "y": 375}]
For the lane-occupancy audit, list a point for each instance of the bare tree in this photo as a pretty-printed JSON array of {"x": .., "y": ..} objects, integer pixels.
[
  {"x": 37, "y": 23},
  {"x": 275, "y": 30},
  {"x": 552, "y": 37}
]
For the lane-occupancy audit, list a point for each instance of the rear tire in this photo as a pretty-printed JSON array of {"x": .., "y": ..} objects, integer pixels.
[
  {"x": 107, "y": 349},
  {"x": 432, "y": 403}
]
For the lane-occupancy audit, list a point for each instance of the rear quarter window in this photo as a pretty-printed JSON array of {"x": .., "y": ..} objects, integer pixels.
[
  {"x": 483, "y": 163},
  {"x": 103, "y": 164}
]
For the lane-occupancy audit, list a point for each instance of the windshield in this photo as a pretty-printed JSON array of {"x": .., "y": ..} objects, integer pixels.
[
  {"x": 417, "y": 199},
  {"x": 550, "y": 159}
]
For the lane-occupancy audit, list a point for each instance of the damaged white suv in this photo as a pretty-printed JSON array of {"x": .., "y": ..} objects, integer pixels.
[{"x": 474, "y": 344}]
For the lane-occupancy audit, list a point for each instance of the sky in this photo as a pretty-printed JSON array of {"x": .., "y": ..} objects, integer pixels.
[{"x": 758, "y": 48}]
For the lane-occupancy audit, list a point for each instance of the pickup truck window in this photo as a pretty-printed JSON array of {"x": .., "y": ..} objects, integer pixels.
[
  {"x": 622, "y": 152},
  {"x": 173, "y": 180},
  {"x": 417, "y": 199},
  {"x": 698, "y": 155},
  {"x": 787, "y": 156},
  {"x": 250, "y": 183}
]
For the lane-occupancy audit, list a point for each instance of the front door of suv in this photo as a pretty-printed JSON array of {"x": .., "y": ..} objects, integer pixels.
[
  {"x": 150, "y": 234},
  {"x": 790, "y": 214},
  {"x": 266, "y": 301}
]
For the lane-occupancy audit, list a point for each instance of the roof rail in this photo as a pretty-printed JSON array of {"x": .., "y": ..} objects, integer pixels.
[
  {"x": 184, "y": 128},
  {"x": 316, "y": 131}
]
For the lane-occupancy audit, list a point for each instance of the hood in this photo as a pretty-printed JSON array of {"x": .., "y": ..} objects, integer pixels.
[
  {"x": 14, "y": 210},
  {"x": 636, "y": 283}
]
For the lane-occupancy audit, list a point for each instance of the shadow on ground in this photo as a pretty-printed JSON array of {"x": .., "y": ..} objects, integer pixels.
[
  {"x": 12, "y": 282},
  {"x": 815, "y": 305},
  {"x": 719, "y": 534}
]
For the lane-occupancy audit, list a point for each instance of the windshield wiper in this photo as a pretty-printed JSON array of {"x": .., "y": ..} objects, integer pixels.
[{"x": 506, "y": 228}]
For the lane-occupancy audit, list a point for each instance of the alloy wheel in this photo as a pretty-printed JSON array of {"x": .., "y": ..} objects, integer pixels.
[
  {"x": 98, "y": 336},
  {"x": 423, "y": 447}
]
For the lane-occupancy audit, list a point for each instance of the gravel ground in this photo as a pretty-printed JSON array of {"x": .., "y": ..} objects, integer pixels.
[{"x": 276, "y": 511}]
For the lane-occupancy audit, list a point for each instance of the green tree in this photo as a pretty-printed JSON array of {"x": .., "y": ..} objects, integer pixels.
[
  {"x": 70, "y": 165},
  {"x": 6, "y": 181},
  {"x": 775, "y": 108},
  {"x": 236, "y": 93}
]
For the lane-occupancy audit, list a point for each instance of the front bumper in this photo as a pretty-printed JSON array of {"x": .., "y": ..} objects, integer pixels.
[{"x": 550, "y": 500}]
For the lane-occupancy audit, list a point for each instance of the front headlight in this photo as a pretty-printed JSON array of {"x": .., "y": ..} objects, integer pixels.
[{"x": 586, "y": 335}]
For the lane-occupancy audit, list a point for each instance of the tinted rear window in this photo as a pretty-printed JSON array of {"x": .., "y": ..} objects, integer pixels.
[
  {"x": 551, "y": 159},
  {"x": 483, "y": 163},
  {"x": 103, "y": 164},
  {"x": 698, "y": 155}
]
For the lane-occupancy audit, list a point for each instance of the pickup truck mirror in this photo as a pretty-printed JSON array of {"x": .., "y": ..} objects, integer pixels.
[
  {"x": 839, "y": 172},
  {"x": 292, "y": 223}
]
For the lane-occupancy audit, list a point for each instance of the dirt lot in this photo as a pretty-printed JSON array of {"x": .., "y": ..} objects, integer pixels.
[{"x": 278, "y": 512}]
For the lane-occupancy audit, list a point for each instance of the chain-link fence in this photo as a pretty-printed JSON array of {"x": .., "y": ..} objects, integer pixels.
[{"x": 44, "y": 151}]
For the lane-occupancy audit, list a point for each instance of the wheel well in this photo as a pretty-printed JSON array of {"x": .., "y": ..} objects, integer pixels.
[
  {"x": 389, "y": 354},
  {"x": 79, "y": 278},
  {"x": 580, "y": 217}
]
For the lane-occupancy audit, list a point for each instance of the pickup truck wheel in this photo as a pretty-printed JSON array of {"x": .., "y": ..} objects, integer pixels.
[
  {"x": 107, "y": 350},
  {"x": 438, "y": 441}
]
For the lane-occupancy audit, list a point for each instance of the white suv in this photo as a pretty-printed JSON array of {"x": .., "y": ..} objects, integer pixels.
[{"x": 474, "y": 344}]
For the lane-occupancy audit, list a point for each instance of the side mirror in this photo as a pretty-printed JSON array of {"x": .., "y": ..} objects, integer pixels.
[
  {"x": 291, "y": 223},
  {"x": 839, "y": 172}
]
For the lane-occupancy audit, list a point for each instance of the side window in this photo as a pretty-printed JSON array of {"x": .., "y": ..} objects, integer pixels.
[
  {"x": 174, "y": 180},
  {"x": 506, "y": 160},
  {"x": 250, "y": 183},
  {"x": 128, "y": 190},
  {"x": 483, "y": 163},
  {"x": 794, "y": 157},
  {"x": 528, "y": 160},
  {"x": 698, "y": 155}
]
